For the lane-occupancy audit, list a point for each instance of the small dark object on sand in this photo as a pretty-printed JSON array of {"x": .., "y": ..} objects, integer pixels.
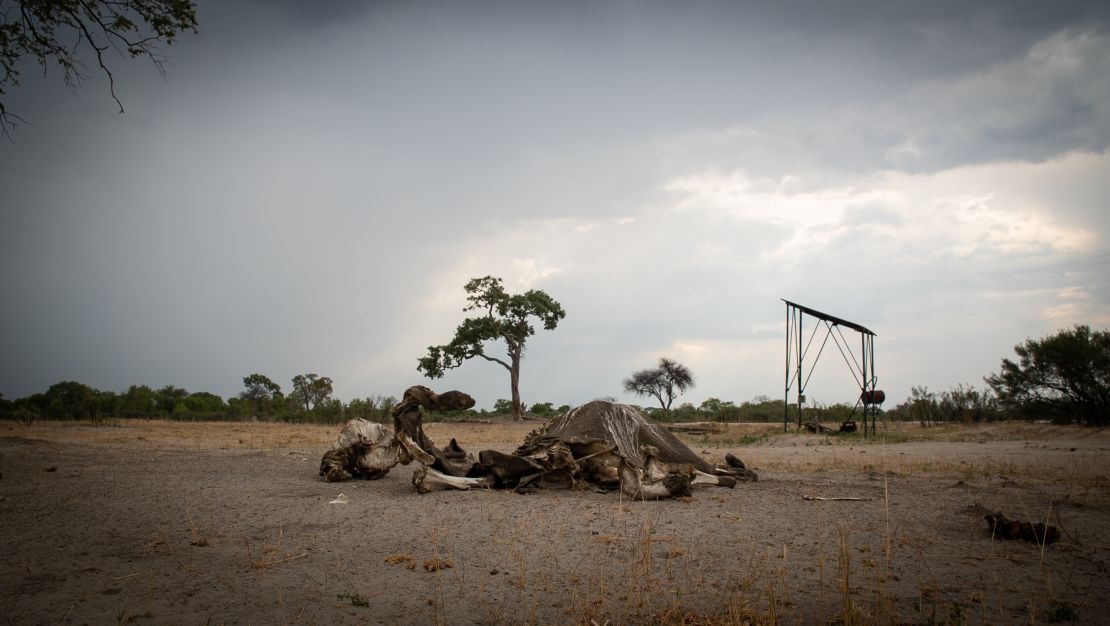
[
  {"x": 1006, "y": 528},
  {"x": 740, "y": 470}
]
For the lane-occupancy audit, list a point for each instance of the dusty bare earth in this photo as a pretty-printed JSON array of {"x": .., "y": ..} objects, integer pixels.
[{"x": 171, "y": 523}]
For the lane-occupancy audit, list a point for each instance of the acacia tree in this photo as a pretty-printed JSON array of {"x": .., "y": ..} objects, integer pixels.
[
  {"x": 663, "y": 383},
  {"x": 310, "y": 390},
  {"x": 261, "y": 392},
  {"x": 504, "y": 317},
  {"x": 1065, "y": 376},
  {"x": 63, "y": 31}
]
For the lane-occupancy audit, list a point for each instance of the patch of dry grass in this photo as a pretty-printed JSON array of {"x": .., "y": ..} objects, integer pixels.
[
  {"x": 268, "y": 555},
  {"x": 408, "y": 560},
  {"x": 435, "y": 564}
]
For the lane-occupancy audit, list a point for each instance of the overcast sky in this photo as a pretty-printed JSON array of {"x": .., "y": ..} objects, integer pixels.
[{"x": 315, "y": 182}]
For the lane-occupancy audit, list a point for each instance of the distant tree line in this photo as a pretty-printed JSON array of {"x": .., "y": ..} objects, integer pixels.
[
  {"x": 1064, "y": 378},
  {"x": 309, "y": 400},
  {"x": 961, "y": 403}
]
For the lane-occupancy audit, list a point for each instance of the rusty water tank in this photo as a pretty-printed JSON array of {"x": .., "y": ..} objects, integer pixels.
[{"x": 870, "y": 397}]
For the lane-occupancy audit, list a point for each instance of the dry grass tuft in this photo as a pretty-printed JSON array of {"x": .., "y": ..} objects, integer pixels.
[
  {"x": 269, "y": 555},
  {"x": 435, "y": 564},
  {"x": 397, "y": 559},
  {"x": 197, "y": 538}
]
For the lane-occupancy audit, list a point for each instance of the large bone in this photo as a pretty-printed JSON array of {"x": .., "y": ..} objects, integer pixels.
[
  {"x": 656, "y": 470},
  {"x": 414, "y": 450},
  {"x": 701, "y": 478},
  {"x": 427, "y": 480},
  {"x": 634, "y": 485},
  {"x": 363, "y": 448}
]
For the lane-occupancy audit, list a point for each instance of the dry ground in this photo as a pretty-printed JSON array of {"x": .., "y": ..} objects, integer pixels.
[{"x": 152, "y": 522}]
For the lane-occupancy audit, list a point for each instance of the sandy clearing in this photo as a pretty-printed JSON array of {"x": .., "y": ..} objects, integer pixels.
[{"x": 170, "y": 523}]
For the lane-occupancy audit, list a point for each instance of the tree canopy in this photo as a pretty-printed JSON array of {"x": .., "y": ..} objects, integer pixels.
[
  {"x": 1065, "y": 377},
  {"x": 503, "y": 317},
  {"x": 63, "y": 32},
  {"x": 663, "y": 383},
  {"x": 167, "y": 398},
  {"x": 261, "y": 392},
  {"x": 310, "y": 390}
]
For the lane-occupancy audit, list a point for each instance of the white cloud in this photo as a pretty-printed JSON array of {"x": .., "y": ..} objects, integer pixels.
[
  {"x": 689, "y": 347},
  {"x": 952, "y": 213},
  {"x": 785, "y": 200},
  {"x": 528, "y": 272},
  {"x": 1074, "y": 305}
]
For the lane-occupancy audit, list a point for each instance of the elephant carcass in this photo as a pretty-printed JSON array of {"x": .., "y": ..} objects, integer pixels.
[
  {"x": 599, "y": 445},
  {"x": 606, "y": 445}
]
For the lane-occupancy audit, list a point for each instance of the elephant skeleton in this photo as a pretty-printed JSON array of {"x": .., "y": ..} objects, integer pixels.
[{"x": 600, "y": 445}]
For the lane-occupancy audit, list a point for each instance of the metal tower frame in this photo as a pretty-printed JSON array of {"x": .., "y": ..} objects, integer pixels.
[{"x": 863, "y": 370}]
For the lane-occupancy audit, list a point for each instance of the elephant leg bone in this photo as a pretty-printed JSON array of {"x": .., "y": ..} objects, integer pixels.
[
  {"x": 701, "y": 478},
  {"x": 427, "y": 480},
  {"x": 635, "y": 487}
]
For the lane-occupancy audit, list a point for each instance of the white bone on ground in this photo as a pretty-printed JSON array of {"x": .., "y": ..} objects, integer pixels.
[
  {"x": 427, "y": 480},
  {"x": 701, "y": 478}
]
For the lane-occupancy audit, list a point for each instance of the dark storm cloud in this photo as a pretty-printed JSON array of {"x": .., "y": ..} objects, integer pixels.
[
  {"x": 315, "y": 180},
  {"x": 309, "y": 13}
]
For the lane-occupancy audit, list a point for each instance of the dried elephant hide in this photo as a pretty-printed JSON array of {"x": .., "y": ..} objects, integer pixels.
[{"x": 600, "y": 445}]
